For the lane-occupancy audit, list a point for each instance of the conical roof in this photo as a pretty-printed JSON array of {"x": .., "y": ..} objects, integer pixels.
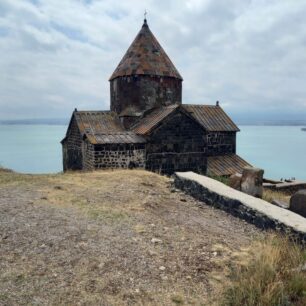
[{"x": 145, "y": 56}]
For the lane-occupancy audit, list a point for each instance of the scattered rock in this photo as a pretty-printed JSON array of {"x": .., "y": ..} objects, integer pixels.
[
  {"x": 183, "y": 200},
  {"x": 235, "y": 181},
  {"x": 156, "y": 240},
  {"x": 4, "y": 237},
  {"x": 298, "y": 203},
  {"x": 152, "y": 253},
  {"x": 171, "y": 179},
  {"x": 58, "y": 187},
  {"x": 162, "y": 268},
  {"x": 301, "y": 268},
  {"x": 251, "y": 181}
]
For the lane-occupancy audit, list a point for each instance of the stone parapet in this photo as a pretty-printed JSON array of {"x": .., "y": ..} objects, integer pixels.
[{"x": 246, "y": 207}]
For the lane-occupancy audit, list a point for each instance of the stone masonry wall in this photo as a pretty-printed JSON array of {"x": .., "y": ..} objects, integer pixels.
[
  {"x": 72, "y": 149},
  {"x": 144, "y": 92},
  {"x": 119, "y": 156},
  {"x": 257, "y": 214},
  {"x": 178, "y": 144},
  {"x": 221, "y": 143},
  {"x": 88, "y": 156}
]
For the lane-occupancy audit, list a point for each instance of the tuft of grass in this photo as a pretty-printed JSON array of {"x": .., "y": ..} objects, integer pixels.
[
  {"x": 269, "y": 195},
  {"x": 273, "y": 277},
  {"x": 177, "y": 299},
  {"x": 222, "y": 179}
]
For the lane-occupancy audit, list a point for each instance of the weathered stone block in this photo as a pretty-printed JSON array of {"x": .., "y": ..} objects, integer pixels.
[
  {"x": 251, "y": 181},
  {"x": 235, "y": 181},
  {"x": 298, "y": 203}
]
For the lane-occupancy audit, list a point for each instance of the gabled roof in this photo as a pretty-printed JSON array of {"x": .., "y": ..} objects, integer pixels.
[
  {"x": 152, "y": 119},
  {"x": 211, "y": 117},
  {"x": 225, "y": 165},
  {"x": 145, "y": 56},
  {"x": 104, "y": 127}
]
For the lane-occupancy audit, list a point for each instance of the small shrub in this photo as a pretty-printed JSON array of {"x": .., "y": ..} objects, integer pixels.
[
  {"x": 177, "y": 299},
  {"x": 272, "y": 278},
  {"x": 222, "y": 179}
]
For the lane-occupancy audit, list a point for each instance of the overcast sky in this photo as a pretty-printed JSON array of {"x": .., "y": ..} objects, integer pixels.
[{"x": 56, "y": 55}]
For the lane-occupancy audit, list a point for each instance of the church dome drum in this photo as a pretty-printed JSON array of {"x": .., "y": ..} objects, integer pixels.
[{"x": 145, "y": 77}]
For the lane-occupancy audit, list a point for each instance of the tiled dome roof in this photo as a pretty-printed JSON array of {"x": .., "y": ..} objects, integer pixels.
[{"x": 145, "y": 56}]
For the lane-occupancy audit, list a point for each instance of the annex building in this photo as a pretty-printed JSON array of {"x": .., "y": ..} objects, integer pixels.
[{"x": 147, "y": 125}]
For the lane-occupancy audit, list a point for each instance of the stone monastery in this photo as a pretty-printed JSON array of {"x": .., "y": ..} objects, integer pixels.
[{"x": 148, "y": 126}]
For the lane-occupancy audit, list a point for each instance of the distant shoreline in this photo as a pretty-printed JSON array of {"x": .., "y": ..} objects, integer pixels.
[
  {"x": 66, "y": 122},
  {"x": 35, "y": 122}
]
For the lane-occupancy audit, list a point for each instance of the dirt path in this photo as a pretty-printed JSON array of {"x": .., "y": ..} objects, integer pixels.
[{"x": 111, "y": 238}]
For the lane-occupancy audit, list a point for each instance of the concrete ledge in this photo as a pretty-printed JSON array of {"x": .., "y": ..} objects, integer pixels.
[{"x": 251, "y": 209}]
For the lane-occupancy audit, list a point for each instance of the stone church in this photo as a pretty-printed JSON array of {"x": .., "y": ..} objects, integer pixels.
[{"x": 147, "y": 125}]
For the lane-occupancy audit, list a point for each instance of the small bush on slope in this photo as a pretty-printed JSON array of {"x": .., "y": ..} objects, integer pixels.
[{"x": 275, "y": 276}]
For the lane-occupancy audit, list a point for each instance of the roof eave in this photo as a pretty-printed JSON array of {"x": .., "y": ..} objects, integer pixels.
[{"x": 63, "y": 140}]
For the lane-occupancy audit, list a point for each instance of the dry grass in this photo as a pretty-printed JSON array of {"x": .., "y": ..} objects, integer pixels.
[
  {"x": 5, "y": 170},
  {"x": 125, "y": 238},
  {"x": 111, "y": 238},
  {"x": 272, "y": 276},
  {"x": 269, "y": 195}
]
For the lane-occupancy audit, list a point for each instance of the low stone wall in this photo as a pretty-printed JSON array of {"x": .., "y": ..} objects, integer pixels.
[
  {"x": 251, "y": 209},
  {"x": 289, "y": 188}
]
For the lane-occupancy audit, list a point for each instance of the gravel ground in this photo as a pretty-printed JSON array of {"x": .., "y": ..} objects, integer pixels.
[{"x": 112, "y": 238}]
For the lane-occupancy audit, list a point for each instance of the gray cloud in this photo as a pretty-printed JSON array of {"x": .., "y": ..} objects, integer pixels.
[{"x": 57, "y": 55}]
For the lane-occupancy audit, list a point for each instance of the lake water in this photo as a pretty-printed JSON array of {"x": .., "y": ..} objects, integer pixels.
[
  {"x": 280, "y": 150},
  {"x": 32, "y": 148}
]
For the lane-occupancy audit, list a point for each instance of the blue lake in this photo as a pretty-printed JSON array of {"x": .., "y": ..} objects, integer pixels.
[
  {"x": 32, "y": 148},
  {"x": 280, "y": 150}
]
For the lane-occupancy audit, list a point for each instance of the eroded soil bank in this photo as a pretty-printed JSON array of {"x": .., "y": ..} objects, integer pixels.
[{"x": 112, "y": 238}]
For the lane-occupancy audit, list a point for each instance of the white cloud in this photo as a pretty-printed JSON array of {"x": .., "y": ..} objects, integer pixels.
[{"x": 58, "y": 55}]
